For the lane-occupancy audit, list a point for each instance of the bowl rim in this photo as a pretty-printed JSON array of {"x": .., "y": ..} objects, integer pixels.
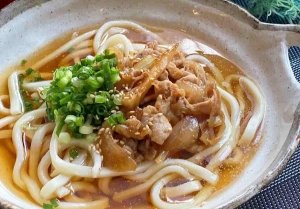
[{"x": 19, "y": 6}]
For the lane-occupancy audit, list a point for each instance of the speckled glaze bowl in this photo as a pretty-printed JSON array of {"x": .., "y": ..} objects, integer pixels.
[{"x": 259, "y": 49}]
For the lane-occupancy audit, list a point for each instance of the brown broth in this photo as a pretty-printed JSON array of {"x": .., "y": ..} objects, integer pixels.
[{"x": 7, "y": 157}]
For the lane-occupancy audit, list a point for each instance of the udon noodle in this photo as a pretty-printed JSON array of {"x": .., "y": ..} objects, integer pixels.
[{"x": 184, "y": 121}]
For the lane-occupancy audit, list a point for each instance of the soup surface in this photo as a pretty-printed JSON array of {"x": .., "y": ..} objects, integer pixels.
[{"x": 224, "y": 160}]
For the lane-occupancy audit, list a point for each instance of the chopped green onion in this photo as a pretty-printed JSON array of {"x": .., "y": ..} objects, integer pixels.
[
  {"x": 117, "y": 99},
  {"x": 100, "y": 80},
  {"x": 111, "y": 121},
  {"x": 70, "y": 118},
  {"x": 64, "y": 137},
  {"x": 115, "y": 78},
  {"x": 77, "y": 135},
  {"x": 71, "y": 49},
  {"x": 116, "y": 118},
  {"x": 29, "y": 71},
  {"x": 91, "y": 137},
  {"x": 73, "y": 153},
  {"x": 100, "y": 99},
  {"x": 77, "y": 82},
  {"x": 84, "y": 73},
  {"x": 86, "y": 129},
  {"x": 81, "y": 96},
  {"x": 47, "y": 206},
  {"x": 29, "y": 76},
  {"x": 54, "y": 203},
  {"x": 120, "y": 117},
  {"x": 79, "y": 120},
  {"x": 23, "y": 62}
]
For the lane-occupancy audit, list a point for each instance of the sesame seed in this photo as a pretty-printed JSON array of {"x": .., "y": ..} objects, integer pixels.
[
  {"x": 137, "y": 133},
  {"x": 131, "y": 112},
  {"x": 121, "y": 142},
  {"x": 71, "y": 159},
  {"x": 106, "y": 130},
  {"x": 100, "y": 142},
  {"x": 92, "y": 95},
  {"x": 169, "y": 129},
  {"x": 113, "y": 111},
  {"x": 151, "y": 79},
  {"x": 97, "y": 146},
  {"x": 126, "y": 97},
  {"x": 102, "y": 129},
  {"x": 159, "y": 96},
  {"x": 117, "y": 108},
  {"x": 105, "y": 118},
  {"x": 97, "y": 152},
  {"x": 110, "y": 91},
  {"x": 147, "y": 127},
  {"x": 145, "y": 114},
  {"x": 151, "y": 124},
  {"x": 151, "y": 119},
  {"x": 160, "y": 114},
  {"x": 113, "y": 128}
]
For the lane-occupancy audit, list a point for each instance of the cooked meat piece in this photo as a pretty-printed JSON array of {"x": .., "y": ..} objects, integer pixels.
[
  {"x": 211, "y": 106},
  {"x": 132, "y": 98},
  {"x": 193, "y": 92},
  {"x": 148, "y": 112},
  {"x": 152, "y": 45},
  {"x": 197, "y": 70},
  {"x": 160, "y": 127},
  {"x": 132, "y": 144},
  {"x": 164, "y": 76},
  {"x": 168, "y": 90},
  {"x": 133, "y": 128},
  {"x": 150, "y": 154},
  {"x": 163, "y": 106},
  {"x": 130, "y": 77},
  {"x": 147, "y": 149},
  {"x": 147, "y": 51},
  {"x": 175, "y": 72},
  {"x": 125, "y": 63},
  {"x": 179, "y": 59}
]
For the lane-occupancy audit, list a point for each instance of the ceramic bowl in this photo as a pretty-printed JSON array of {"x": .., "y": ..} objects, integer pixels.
[{"x": 259, "y": 49}]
